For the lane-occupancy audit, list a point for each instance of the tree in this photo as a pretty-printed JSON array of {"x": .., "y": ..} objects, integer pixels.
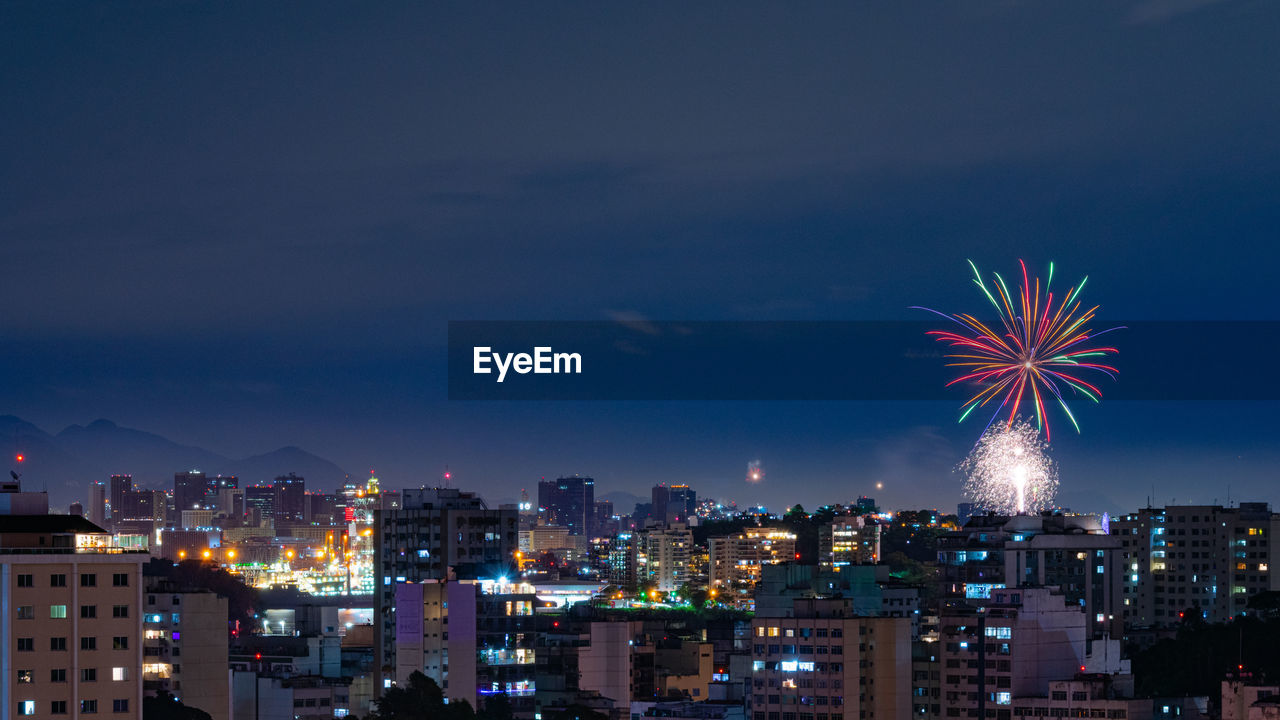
[
  {"x": 164, "y": 706},
  {"x": 421, "y": 699},
  {"x": 1194, "y": 661},
  {"x": 496, "y": 707},
  {"x": 241, "y": 599}
]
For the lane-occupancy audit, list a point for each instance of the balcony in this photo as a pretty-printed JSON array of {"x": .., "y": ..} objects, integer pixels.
[{"x": 507, "y": 656}]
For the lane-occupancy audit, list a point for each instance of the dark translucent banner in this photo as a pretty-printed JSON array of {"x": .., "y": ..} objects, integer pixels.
[{"x": 805, "y": 361}]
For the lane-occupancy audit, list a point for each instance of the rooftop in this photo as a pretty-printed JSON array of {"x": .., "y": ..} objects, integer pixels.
[{"x": 52, "y": 524}]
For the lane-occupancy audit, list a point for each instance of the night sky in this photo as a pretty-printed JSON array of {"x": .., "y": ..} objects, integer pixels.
[{"x": 246, "y": 225}]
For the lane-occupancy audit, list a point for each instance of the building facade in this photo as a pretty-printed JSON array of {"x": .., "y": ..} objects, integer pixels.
[
  {"x": 735, "y": 561},
  {"x": 824, "y": 662},
  {"x": 569, "y": 502},
  {"x": 71, "y": 635},
  {"x": 848, "y": 541},
  {"x": 185, "y": 647},
  {"x": 436, "y": 531},
  {"x": 1206, "y": 559}
]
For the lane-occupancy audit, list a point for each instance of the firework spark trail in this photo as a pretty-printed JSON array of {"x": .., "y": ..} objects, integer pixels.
[
  {"x": 1036, "y": 352},
  {"x": 1009, "y": 471}
]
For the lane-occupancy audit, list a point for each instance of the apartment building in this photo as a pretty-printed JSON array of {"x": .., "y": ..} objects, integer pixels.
[
  {"x": 185, "y": 646},
  {"x": 1207, "y": 559},
  {"x": 71, "y": 635},
  {"x": 824, "y": 662},
  {"x": 735, "y": 561}
]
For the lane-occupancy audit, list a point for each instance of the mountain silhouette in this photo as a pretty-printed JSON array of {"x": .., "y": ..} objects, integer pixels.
[{"x": 66, "y": 463}]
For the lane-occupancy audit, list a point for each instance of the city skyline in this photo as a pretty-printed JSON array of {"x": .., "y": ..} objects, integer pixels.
[
  {"x": 581, "y": 361},
  {"x": 250, "y": 265}
]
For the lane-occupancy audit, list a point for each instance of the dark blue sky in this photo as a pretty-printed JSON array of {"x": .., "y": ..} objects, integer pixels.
[{"x": 244, "y": 226}]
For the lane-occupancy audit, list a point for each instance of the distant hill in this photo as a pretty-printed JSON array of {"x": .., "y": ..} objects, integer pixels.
[
  {"x": 260, "y": 468},
  {"x": 623, "y": 502},
  {"x": 65, "y": 464}
]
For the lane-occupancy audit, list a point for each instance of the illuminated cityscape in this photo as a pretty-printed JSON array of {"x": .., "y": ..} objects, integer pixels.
[{"x": 640, "y": 361}]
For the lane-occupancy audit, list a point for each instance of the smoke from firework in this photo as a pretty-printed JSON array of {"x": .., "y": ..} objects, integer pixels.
[
  {"x": 755, "y": 473},
  {"x": 1010, "y": 472}
]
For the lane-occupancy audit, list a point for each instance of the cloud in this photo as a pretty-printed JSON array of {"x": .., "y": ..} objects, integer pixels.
[{"x": 634, "y": 321}]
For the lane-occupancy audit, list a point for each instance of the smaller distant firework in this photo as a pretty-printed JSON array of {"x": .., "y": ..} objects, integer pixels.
[
  {"x": 755, "y": 473},
  {"x": 1009, "y": 471}
]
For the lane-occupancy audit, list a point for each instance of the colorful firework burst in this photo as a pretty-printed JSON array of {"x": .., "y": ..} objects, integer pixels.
[
  {"x": 1037, "y": 352},
  {"x": 1009, "y": 471}
]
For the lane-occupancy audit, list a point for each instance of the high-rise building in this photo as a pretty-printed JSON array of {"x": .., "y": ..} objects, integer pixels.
[
  {"x": 623, "y": 560},
  {"x": 1070, "y": 552},
  {"x": 143, "y": 505},
  {"x": 735, "y": 561},
  {"x": 97, "y": 510},
  {"x": 673, "y": 503},
  {"x": 434, "y": 531},
  {"x": 1013, "y": 645},
  {"x": 290, "y": 502},
  {"x": 120, "y": 484},
  {"x": 667, "y": 554},
  {"x": 476, "y": 640},
  {"x": 848, "y": 541},
  {"x": 569, "y": 501},
  {"x": 435, "y": 634},
  {"x": 605, "y": 524},
  {"x": 322, "y": 509},
  {"x": 617, "y": 663},
  {"x": 871, "y": 590},
  {"x": 259, "y": 504},
  {"x": 823, "y": 658},
  {"x": 72, "y": 631},
  {"x": 230, "y": 502},
  {"x": 190, "y": 490},
  {"x": 185, "y": 636},
  {"x": 218, "y": 483},
  {"x": 1206, "y": 559}
]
